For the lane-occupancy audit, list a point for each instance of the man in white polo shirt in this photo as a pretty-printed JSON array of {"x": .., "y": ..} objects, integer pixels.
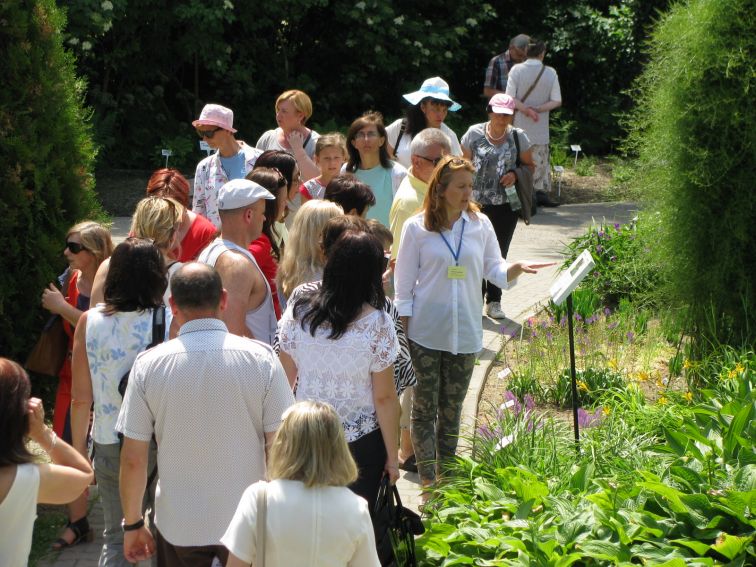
[{"x": 213, "y": 400}]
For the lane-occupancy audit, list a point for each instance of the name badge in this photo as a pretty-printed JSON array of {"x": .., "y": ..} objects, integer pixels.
[{"x": 456, "y": 272}]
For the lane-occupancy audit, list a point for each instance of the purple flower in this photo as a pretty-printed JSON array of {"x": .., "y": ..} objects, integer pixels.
[
  {"x": 590, "y": 320},
  {"x": 512, "y": 403},
  {"x": 612, "y": 325},
  {"x": 578, "y": 317},
  {"x": 601, "y": 234},
  {"x": 607, "y": 311},
  {"x": 563, "y": 321},
  {"x": 630, "y": 336},
  {"x": 529, "y": 402},
  {"x": 599, "y": 249},
  {"x": 485, "y": 432},
  {"x": 549, "y": 336},
  {"x": 586, "y": 419},
  {"x": 509, "y": 331},
  {"x": 616, "y": 226}
]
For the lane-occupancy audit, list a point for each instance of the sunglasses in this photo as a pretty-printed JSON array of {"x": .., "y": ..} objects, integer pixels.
[
  {"x": 433, "y": 161},
  {"x": 76, "y": 247},
  {"x": 207, "y": 133}
]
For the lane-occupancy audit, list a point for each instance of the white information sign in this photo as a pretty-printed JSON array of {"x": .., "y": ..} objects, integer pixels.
[
  {"x": 167, "y": 153},
  {"x": 571, "y": 277},
  {"x": 204, "y": 146},
  {"x": 576, "y": 148}
]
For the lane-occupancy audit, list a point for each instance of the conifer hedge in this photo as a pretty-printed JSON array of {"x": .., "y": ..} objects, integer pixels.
[
  {"x": 695, "y": 130},
  {"x": 46, "y": 159}
]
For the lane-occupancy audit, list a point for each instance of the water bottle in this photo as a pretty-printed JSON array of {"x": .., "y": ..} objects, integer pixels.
[{"x": 512, "y": 198}]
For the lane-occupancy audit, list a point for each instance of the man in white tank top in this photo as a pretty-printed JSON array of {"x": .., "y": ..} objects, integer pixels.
[{"x": 249, "y": 311}]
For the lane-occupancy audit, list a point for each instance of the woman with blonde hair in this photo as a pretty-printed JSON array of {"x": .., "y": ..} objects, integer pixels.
[
  {"x": 309, "y": 468},
  {"x": 293, "y": 109},
  {"x": 303, "y": 258},
  {"x": 158, "y": 219},
  {"x": 88, "y": 245}
]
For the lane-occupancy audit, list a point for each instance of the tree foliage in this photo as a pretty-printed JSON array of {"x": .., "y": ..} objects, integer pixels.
[
  {"x": 152, "y": 65},
  {"x": 46, "y": 156},
  {"x": 696, "y": 135}
]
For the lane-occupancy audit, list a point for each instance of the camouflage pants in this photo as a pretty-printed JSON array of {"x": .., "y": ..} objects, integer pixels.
[{"x": 442, "y": 381}]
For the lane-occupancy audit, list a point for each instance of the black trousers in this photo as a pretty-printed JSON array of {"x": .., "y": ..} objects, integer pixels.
[
  {"x": 504, "y": 222},
  {"x": 369, "y": 453},
  {"x": 169, "y": 555}
]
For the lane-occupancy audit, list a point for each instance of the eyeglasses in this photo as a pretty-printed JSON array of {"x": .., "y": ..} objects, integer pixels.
[
  {"x": 76, "y": 247},
  {"x": 366, "y": 135},
  {"x": 207, "y": 133},
  {"x": 386, "y": 260},
  {"x": 433, "y": 161}
]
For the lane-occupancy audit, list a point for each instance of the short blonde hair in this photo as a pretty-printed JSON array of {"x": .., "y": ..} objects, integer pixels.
[
  {"x": 331, "y": 140},
  {"x": 302, "y": 258},
  {"x": 95, "y": 238},
  {"x": 299, "y": 100},
  {"x": 158, "y": 219},
  {"x": 310, "y": 447}
]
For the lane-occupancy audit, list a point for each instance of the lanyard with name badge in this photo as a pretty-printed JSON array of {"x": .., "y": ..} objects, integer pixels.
[{"x": 456, "y": 272}]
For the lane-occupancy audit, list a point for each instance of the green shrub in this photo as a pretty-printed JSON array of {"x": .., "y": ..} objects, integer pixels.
[
  {"x": 695, "y": 133},
  {"x": 46, "y": 156}
]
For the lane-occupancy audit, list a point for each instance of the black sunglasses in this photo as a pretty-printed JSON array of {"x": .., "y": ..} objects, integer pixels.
[
  {"x": 433, "y": 161},
  {"x": 75, "y": 247},
  {"x": 207, "y": 133}
]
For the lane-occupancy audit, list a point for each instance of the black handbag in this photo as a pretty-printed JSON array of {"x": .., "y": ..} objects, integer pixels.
[{"x": 395, "y": 528}]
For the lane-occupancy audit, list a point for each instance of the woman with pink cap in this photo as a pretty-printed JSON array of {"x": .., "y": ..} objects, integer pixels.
[
  {"x": 429, "y": 107},
  {"x": 498, "y": 152}
]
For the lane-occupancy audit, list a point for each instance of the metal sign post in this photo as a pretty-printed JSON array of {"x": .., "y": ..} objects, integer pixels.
[
  {"x": 167, "y": 154},
  {"x": 561, "y": 290}
]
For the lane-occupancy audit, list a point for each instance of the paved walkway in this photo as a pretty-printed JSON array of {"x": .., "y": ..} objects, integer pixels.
[{"x": 544, "y": 239}]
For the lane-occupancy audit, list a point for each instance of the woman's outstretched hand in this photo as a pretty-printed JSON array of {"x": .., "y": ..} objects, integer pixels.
[{"x": 525, "y": 267}]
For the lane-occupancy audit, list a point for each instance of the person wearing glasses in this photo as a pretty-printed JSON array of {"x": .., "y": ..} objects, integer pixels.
[
  {"x": 429, "y": 107},
  {"x": 446, "y": 251},
  {"x": 370, "y": 163},
  {"x": 88, "y": 244},
  {"x": 498, "y": 151},
  {"x": 232, "y": 160}
]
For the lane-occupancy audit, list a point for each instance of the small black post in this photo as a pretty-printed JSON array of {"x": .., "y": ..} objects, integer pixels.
[{"x": 573, "y": 374}]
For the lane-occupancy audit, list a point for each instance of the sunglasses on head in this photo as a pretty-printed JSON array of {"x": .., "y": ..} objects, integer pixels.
[
  {"x": 207, "y": 133},
  {"x": 75, "y": 247}
]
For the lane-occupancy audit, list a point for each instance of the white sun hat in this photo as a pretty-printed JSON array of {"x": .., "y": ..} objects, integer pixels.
[{"x": 435, "y": 87}]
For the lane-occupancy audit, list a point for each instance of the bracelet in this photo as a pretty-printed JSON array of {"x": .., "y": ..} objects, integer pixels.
[
  {"x": 131, "y": 527},
  {"x": 53, "y": 443}
]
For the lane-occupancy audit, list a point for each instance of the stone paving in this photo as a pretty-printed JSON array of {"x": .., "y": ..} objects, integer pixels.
[{"x": 544, "y": 240}]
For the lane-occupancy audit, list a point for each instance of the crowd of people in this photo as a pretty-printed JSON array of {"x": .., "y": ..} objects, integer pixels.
[{"x": 309, "y": 314}]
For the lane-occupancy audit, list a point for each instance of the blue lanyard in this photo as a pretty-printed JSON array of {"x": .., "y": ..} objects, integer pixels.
[{"x": 459, "y": 246}]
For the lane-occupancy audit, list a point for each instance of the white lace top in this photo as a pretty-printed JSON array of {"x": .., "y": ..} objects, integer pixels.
[{"x": 338, "y": 371}]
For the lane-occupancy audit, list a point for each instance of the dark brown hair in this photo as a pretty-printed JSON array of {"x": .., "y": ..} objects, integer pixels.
[
  {"x": 337, "y": 226},
  {"x": 349, "y": 192},
  {"x": 367, "y": 119},
  {"x": 272, "y": 180},
  {"x": 15, "y": 390},
  {"x": 136, "y": 277}
]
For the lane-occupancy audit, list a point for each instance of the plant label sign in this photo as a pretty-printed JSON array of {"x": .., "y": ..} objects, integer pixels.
[
  {"x": 572, "y": 277},
  {"x": 167, "y": 153},
  {"x": 576, "y": 148},
  {"x": 205, "y": 147}
]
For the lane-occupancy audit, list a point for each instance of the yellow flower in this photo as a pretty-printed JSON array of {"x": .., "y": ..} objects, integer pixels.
[
  {"x": 662, "y": 401},
  {"x": 687, "y": 364},
  {"x": 732, "y": 373},
  {"x": 607, "y": 411},
  {"x": 613, "y": 364},
  {"x": 659, "y": 383},
  {"x": 643, "y": 376},
  {"x": 688, "y": 396},
  {"x": 582, "y": 386},
  {"x": 739, "y": 368}
]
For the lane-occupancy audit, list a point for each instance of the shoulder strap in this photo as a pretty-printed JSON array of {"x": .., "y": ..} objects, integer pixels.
[
  {"x": 262, "y": 509},
  {"x": 399, "y": 137},
  {"x": 538, "y": 78},
  {"x": 158, "y": 326},
  {"x": 517, "y": 145},
  {"x": 307, "y": 139}
]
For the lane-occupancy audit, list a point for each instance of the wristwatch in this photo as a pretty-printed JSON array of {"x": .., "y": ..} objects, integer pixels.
[{"x": 131, "y": 527}]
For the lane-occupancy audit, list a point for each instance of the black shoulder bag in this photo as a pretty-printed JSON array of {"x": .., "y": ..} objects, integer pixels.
[
  {"x": 399, "y": 137},
  {"x": 518, "y": 163},
  {"x": 395, "y": 528}
]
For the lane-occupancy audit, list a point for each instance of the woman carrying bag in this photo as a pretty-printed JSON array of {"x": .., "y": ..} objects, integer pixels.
[{"x": 305, "y": 515}]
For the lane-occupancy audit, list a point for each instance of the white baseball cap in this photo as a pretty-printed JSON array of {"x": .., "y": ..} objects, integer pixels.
[{"x": 239, "y": 193}]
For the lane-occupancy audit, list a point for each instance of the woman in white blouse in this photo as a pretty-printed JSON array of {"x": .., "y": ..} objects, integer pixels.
[
  {"x": 445, "y": 253},
  {"x": 311, "y": 518},
  {"x": 339, "y": 346}
]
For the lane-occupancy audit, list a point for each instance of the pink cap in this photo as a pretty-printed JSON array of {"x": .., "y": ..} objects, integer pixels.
[
  {"x": 501, "y": 103},
  {"x": 216, "y": 115}
]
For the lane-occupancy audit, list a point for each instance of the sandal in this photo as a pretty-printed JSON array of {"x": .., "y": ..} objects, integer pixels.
[{"x": 81, "y": 531}]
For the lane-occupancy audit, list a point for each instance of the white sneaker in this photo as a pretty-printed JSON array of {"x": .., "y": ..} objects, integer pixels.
[{"x": 493, "y": 310}]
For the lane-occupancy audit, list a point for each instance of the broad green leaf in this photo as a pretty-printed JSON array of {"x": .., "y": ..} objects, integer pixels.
[
  {"x": 687, "y": 476},
  {"x": 671, "y": 495},
  {"x": 581, "y": 477},
  {"x": 567, "y": 560},
  {"x": 486, "y": 490},
  {"x": 677, "y": 441},
  {"x": 438, "y": 546},
  {"x": 606, "y": 550},
  {"x": 698, "y": 547},
  {"x": 731, "y": 546},
  {"x": 455, "y": 559},
  {"x": 524, "y": 510},
  {"x": 736, "y": 429}
]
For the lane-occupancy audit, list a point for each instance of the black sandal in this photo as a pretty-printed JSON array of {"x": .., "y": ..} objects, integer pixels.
[{"x": 81, "y": 531}]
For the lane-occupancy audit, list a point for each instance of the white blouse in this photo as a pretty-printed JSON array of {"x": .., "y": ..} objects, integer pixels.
[
  {"x": 18, "y": 510},
  {"x": 446, "y": 314},
  {"x": 326, "y": 526},
  {"x": 339, "y": 371}
]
